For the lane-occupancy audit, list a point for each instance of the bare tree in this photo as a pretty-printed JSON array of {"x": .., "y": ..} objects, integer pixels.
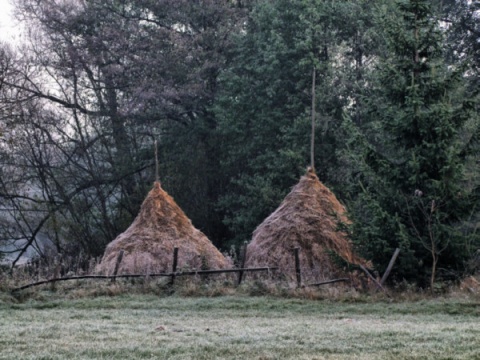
[
  {"x": 89, "y": 92},
  {"x": 430, "y": 236}
]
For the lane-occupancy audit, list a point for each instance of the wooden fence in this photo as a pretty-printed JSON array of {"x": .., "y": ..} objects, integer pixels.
[
  {"x": 172, "y": 275},
  {"x": 241, "y": 272}
]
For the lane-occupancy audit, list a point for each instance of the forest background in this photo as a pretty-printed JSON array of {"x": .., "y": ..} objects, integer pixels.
[{"x": 222, "y": 89}]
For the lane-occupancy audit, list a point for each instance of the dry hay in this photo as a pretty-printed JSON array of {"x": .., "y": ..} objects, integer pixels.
[
  {"x": 471, "y": 284},
  {"x": 308, "y": 218},
  {"x": 148, "y": 243}
]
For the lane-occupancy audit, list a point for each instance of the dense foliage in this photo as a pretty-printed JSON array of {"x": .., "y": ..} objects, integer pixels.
[
  {"x": 224, "y": 89},
  {"x": 414, "y": 188}
]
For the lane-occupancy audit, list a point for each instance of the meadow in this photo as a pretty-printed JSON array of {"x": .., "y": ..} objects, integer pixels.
[{"x": 237, "y": 326}]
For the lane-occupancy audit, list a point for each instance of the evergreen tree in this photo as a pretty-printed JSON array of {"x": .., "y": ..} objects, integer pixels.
[
  {"x": 413, "y": 192},
  {"x": 264, "y": 106}
]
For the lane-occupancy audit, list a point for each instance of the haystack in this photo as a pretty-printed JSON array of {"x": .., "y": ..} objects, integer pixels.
[
  {"x": 148, "y": 243},
  {"x": 309, "y": 219}
]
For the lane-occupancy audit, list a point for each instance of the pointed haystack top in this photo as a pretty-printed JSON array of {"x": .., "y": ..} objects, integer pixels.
[
  {"x": 308, "y": 218},
  {"x": 148, "y": 243}
]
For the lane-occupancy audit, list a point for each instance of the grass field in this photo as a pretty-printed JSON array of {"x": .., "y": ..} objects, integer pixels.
[{"x": 237, "y": 327}]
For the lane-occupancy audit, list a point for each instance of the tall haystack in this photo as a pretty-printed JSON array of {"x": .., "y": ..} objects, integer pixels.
[
  {"x": 148, "y": 243},
  {"x": 308, "y": 218}
]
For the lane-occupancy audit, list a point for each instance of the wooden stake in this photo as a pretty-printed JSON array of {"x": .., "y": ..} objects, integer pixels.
[
  {"x": 312, "y": 139},
  {"x": 374, "y": 280},
  {"x": 390, "y": 266},
  {"x": 243, "y": 254},
  {"x": 174, "y": 267},
  {"x": 157, "y": 175},
  {"x": 56, "y": 270},
  {"x": 297, "y": 267},
  {"x": 117, "y": 265},
  {"x": 147, "y": 275}
]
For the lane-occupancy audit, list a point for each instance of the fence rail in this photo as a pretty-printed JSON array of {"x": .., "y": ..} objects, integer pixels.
[
  {"x": 174, "y": 273},
  {"x": 170, "y": 274}
]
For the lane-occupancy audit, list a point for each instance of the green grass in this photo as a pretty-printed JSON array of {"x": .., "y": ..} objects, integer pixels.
[{"x": 237, "y": 327}]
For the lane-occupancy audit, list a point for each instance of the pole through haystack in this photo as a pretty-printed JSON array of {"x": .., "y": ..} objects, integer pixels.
[
  {"x": 312, "y": 136},
  {"x": 157, "y": 170}
]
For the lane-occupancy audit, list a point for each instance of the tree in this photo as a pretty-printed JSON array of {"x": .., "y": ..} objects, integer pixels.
[
  {"x": 264, "y": 105},
  {"x": 98, "y": 82},
  {"x": 413, "y": 191},
  {"x": 461, "y": 19}
]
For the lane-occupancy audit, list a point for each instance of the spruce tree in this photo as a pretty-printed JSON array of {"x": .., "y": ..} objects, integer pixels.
[
  {"x": 255, "y": 95},
  {"x": 263, "y": 107},
  {"x": 413, "y": 188}
]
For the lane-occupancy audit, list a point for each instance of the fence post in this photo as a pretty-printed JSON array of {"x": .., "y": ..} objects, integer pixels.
[
  {"x": 56, "y": 270},
  {"x": 174, "y": 266},
  {"x": 117, "y": 265},
  {"x": 147, "y": 275},
  {"x": 390, "y": 266},
  {"x": 243, "y": 254},
  {"x": 297, "y": 267}
]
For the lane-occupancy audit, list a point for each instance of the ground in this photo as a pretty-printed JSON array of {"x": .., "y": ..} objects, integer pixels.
[{"x": 140, "y": 326}]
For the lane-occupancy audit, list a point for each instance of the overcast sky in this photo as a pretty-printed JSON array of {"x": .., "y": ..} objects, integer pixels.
[{"x": 7, "y": 29}]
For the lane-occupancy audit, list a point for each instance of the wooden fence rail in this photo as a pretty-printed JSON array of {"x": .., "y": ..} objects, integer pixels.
[
  {"x": 171, "y": 274},
  {"x": 329, "y": 282}
]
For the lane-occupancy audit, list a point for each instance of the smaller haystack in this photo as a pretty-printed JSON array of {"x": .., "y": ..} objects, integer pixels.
[
  {"x": 308, "y": 218},
  {"x": 148, "y": 243}
]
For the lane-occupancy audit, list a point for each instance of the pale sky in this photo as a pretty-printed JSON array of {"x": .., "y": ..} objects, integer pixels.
[{"x": 7, "y": 27}]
